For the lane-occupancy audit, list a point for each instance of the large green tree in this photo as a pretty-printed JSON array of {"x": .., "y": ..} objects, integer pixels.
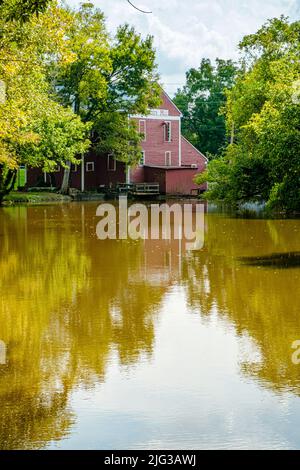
[
  {"x": 30, "y": 118},
  {"x": 201, "y": 101},
  {"x": 108, "y": 80},
  {"x": 263, "y": 161},
  {"x": 21, "y": 10}
]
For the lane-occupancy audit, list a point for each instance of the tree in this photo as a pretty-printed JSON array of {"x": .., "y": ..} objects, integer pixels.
[
  {"x": 30, "y": 118},
  {"x": 62, "y": 137},
  {"x": 22, "y": 10},
  {"x": 264, "y": 107},
  {"x": 108, "y": 80},
  {"x": 201, "y": 101}
]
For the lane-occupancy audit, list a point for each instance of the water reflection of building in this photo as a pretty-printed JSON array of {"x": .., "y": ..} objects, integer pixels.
[
  {"x": 161, "y": 263},
  {"x": 2, "y": 353}
]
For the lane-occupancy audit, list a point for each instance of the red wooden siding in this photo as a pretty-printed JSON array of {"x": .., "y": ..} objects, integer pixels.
[
  {"x": 93, "y": 179},
  {"x": 167, "y": 103},
  {"x": 155, "y": 145},
  {"x": 175, "y": 181},
  {"x": 190, "y": 155}
]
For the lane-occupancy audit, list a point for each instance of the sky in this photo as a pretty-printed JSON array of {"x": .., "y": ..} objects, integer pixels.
[{"x": 185, "y": 31}]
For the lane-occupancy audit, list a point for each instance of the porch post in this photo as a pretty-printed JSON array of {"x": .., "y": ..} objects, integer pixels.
[
  {"x": 179, "y": 154},
  {"x": 82, "y": 173},
  {"x": 127, "y": 174}
]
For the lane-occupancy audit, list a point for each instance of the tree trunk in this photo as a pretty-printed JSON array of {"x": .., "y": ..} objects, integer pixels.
[
  {"x": 65, "y": 185},
  {"x": 7, "y": 181}
]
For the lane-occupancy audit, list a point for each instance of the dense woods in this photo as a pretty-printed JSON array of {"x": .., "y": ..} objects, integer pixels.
[{"x": 253, "y": 128}]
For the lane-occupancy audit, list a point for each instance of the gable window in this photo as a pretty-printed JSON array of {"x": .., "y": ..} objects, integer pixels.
[
  {"x": 168, "y": 131},
  {"x": 142, "y": 160},
  {"x": 111, "y": 163},
  {"x": 142, "y": 129},
  {"x": 159, "y": 112},
  {"x": 168, "y": 158},
  {"x": 90, "y": 166}
]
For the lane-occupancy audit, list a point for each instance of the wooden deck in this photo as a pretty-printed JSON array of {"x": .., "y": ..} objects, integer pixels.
[
  {"x": 139, "y": 189},
  {"x": 145, "y": 189}
]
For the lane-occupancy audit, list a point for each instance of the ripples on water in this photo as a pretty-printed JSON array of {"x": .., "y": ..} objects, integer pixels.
[{"x": 123, "y": 344}]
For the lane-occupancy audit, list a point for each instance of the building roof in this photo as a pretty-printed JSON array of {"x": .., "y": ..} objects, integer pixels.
[
  {"x": 173, "y": 167},
  {"x": 197, "y": 150},
  {"x": 171, "y": 101}
]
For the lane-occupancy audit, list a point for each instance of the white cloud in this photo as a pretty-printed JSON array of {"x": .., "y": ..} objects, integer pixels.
[{"x": 185, "y": 31}]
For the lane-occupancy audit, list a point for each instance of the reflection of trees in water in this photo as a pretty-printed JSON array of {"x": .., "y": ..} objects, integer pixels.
[
  {"x": 261, "y": 302},
  {"x": 274, "y": 260},
  {"x": 67, "y": 301}
]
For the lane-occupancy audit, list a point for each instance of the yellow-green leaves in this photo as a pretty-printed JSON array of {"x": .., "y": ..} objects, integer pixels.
[
  {"x": 34, "y": 128},
  {"x": 266, "y": 118}
]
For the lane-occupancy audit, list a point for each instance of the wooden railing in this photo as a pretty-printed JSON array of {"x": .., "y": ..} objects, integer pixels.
[
  {"x": 124, "y": 187},
  {"x": 145, "y": 188},
  {"x": 138, "y": 188}
]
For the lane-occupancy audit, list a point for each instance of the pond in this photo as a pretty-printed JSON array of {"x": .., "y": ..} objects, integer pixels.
[{"x": 140, "y": 344}]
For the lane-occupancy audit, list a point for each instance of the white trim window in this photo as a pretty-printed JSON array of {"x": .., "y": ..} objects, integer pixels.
[
  {"x": 111, "y": 163},
  {"x": 168, "y": 131},
  {"x": 168, "y": 158},
  {"x": 143, "y": 129},
  {"x": 57, "y": 169},
  {"x": 159, "y": 112},
  {"x": 74, "y": 168},
  {"x": 89, "y": 167},
  {"x": 143, "y": 157}
]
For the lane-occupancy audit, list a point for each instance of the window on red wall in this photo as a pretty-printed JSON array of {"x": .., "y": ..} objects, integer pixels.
[
  {"x": 142, "y": 129},
  {"x": 168, "y": 158},
  {"x": 142, "y": 160},
  {"x": 90, "y": 166},
  {"x": 168, "y": 131}
]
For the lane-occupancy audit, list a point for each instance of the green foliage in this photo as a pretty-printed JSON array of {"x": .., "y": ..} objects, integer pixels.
[
  {"x": 132, "y": 83},
  {"x": 239, "y": 179},
  {"x": 82, "y": 83},
  {"x": 201, "y": 102},
  {"x": 61, "y": 139},
  {"x": 115, "y": 131},
  {"x": 34, "y": 128},
  {"x": 65, "y": 77},
  {"x": 264, "y": 106},
  {"x": 21, "y": 10},
  {"x": 107, "y": 80}
]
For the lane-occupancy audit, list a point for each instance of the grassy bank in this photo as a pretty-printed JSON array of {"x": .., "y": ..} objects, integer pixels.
[{"x": 34, "y": 198}]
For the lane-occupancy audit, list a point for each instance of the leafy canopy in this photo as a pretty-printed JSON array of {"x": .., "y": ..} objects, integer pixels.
[
  {"x": 22, "y": 10},
  {"x": 201, "y": 101},
  {"x": 264, "y": 106},
  {"x": 29, "y": 112},
  {"x": 109, "y": 79}
]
